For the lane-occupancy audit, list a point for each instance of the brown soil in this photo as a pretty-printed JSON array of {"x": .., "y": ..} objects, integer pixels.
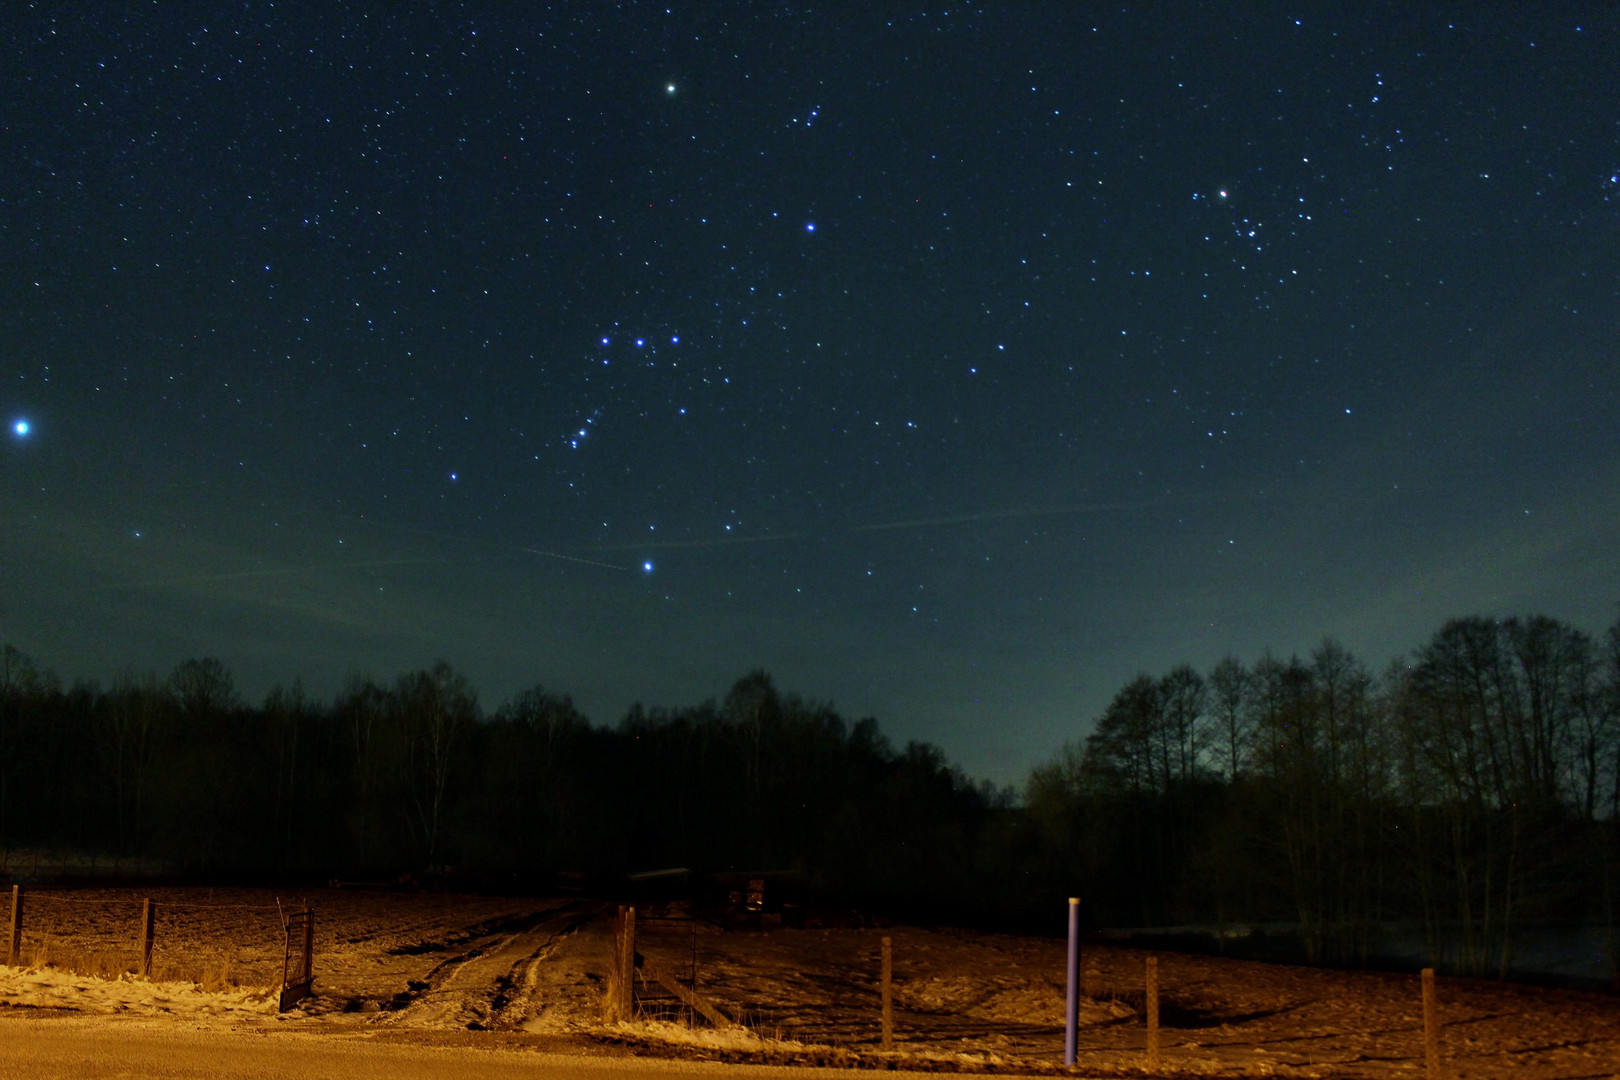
[{"x": 531, "y": 972}]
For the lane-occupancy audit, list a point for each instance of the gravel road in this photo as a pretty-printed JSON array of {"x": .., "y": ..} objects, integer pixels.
[{"x": 71, "y": 1049}]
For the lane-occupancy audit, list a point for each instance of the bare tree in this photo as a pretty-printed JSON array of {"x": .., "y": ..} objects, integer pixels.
[
  {"x": 1230, "y": 733},
  {"x": 435, "y": 707},
  {"x": 1180, "y": 723},
  {"x": 285, "y": 711},
  {"x": 131, "y": 721},
  {"x": 204, "y": 688},
  {"x": 361, "y": 711}
]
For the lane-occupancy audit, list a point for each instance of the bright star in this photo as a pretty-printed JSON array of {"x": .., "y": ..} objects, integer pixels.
[
  {"x": 810, "y": 227},
  {"x": 22, "y": 428},
  {"x": 646, "y": 567},
  {"x": 669, "y": 88}
]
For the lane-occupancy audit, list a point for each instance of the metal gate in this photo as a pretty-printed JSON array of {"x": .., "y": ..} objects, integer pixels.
[{"x": 297, "y": 958}]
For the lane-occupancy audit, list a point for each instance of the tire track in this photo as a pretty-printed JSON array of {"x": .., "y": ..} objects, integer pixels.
[{"x": 491, "y": 985}]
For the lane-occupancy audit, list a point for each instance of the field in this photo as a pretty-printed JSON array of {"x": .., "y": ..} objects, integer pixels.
[{"x": 511, "y": 971}]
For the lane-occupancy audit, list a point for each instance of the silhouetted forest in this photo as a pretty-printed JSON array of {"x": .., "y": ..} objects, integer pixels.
[{"x": 1468, "y": 791}]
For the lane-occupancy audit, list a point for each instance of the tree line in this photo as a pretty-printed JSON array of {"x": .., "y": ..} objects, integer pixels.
[
  {"x": 1468, "y": 791},
  {"x": 414, "y": 777}
]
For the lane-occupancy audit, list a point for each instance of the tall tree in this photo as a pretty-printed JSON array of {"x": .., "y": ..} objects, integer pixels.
[
  {"x": 1230, "y": 732},
  {"x": 132, "y": 718},
  {"x": 435, "y": 710}
]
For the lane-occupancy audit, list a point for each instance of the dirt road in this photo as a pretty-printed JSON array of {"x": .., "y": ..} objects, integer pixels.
[
  {"x": 492, "y": 984},
  {"x": 70, "y": 1049}
]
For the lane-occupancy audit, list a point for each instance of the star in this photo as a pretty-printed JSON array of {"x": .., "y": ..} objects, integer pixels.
[{"x": 22, "y": 428}]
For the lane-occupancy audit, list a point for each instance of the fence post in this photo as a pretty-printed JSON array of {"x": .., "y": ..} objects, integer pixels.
[
  {"x": 14, "y": 939},
  {"x": 610, "y": 993},
  {"x": 309, "y": 948},
  {"x": 148, "y": 924},
  {"x": 1431, "y": 1027},
  {"x": 886, "y": 989},
  {"x": 1152, "y": 987},
  {"x": 627, "y": 946},
  {"x": 1071, "y": 1003},
  {"x": 619, "y": 1002}
]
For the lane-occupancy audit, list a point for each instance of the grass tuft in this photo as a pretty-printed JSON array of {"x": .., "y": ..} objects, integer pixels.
[
  {"x": 96, "y": 963},
  {"x": 214, "y": 977}
]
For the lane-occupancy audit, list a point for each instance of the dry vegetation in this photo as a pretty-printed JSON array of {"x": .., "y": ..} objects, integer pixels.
[
  {"x": 202, "y": 933},
  {"x": 513, "y": 969}
]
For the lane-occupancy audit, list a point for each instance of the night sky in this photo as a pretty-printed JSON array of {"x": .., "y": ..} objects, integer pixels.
[{"x": 953, "y": 364}]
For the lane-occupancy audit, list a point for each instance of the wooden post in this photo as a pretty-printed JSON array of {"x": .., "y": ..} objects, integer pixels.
[
  {"x": 148, "y": 923},
  {"x": 1431, "y": 1027},
  {"x": 610, "y": 992},
  {"x": 886, "y": 988},
  {"x": 309, "y": 948},
  {"x": 1153, "y": 1012},
  {"x": 627, "y": 989},
  {"x": 14, "y": 939},
  {"x": 619, "y": 1004}
]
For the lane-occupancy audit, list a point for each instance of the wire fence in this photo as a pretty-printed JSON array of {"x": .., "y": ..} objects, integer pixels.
[
  {"x": 215, "y": 945},
  {"x": 671, "y": 942}
]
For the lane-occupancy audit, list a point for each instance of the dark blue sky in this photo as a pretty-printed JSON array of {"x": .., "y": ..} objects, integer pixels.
[{"x": 951, "y": 363}]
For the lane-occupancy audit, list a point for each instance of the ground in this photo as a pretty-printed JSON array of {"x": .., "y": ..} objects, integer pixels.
[{"x": 514, "y": 974}]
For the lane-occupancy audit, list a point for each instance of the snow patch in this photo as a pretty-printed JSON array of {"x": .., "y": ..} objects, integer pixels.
[{"x": 47, "y": 988}]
